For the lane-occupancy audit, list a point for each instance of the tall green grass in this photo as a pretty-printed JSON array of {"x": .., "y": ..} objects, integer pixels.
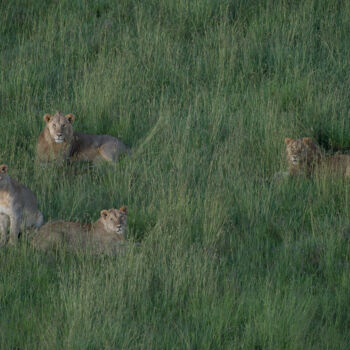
[{"x": 204, "y": 92}]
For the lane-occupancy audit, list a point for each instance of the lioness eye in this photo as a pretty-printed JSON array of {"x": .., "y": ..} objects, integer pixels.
[
  {"x": 63, "y": 125},
  {"x": 54, "y": 125}
]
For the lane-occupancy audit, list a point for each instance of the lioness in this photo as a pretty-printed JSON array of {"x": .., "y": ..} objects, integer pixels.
[
  {"x": 304, "y": 156},
  {"x": 58, "y": 141},
  {"x": 18, "y": 207},
  {"x": 107, "y": 235}
]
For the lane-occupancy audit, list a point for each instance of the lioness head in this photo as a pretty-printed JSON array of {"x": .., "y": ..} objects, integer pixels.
[
  {"x": 302, "y": 152},
  {"x": 3, "y": 174},
  {"x": 115, "y": 220},
  {"x": 60, "y": 126}
]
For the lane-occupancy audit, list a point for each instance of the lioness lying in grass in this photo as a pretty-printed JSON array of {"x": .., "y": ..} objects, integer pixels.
[
  {"x": 107, "y": 235},
  {"x": 58, "y": 141}
]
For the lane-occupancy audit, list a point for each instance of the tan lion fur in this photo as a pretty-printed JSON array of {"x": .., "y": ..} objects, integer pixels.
[
  {"x": 107, "y": 235},
  {"x": 18, "y": 208},
  {"x": 58, "y": 141},
  {"x": 304, "y": 156}
]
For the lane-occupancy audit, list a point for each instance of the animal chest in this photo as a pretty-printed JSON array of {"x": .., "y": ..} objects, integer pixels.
[{"x": 5, "y": 203}]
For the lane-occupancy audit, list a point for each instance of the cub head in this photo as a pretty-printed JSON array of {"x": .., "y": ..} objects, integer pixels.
[
  {"x": 115, "y": 220},
  {"x": 3, "y": 174},
  {"x": 60, "y": 126},
  {"x": 302, "y": 152}
]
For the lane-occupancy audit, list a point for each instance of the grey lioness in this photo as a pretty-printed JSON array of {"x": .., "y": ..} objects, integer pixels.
[{"x": 18, "y": 207}]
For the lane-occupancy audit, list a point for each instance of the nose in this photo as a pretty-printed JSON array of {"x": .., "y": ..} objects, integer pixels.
[{"x": 59, "y": 134}]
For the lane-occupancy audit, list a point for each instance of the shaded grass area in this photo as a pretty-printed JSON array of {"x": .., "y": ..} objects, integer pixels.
[{"x": 204, "y": 92}]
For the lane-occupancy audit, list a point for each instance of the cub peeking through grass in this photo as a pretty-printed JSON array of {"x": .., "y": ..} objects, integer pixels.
[{"x": 305, "y": 157}]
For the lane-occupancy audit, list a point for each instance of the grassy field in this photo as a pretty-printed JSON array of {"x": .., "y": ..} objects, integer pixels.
[{"x": 204, "y": 92}]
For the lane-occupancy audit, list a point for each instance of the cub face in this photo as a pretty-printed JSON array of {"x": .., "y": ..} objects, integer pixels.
[
  {"x": 115, "y": 220},
  {"x": 60, "y": 126},
  {"x": 302, "y": 151}
]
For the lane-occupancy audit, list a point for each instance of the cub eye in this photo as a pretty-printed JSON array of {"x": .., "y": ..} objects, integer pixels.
[
  {"x": 63, "y": 125},
  {"x": 54, "y": 125}
]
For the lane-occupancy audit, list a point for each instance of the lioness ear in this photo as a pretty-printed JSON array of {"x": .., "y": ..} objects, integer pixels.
[
  {"x": 70, "y": 117},
  {"x": 288, "y": 140},
  {"x": 47, "y": 117},
  {"x": 307, "y": 140},
  {"x": 104, "y": 213},
  {"x": 3, "y": 168},
  {"x": 124, "y": 209}
]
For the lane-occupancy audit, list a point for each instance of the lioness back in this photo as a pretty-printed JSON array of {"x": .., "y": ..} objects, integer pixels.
[
  {"x": 338, "y": 163},
  {"x": 61, "y": 234}
]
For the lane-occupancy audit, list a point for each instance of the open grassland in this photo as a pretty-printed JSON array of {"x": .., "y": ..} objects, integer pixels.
[{"x": 204, "y": 92}]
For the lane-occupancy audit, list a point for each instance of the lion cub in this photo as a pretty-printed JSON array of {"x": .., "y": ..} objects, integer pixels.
[
  {"x": 107, "y": 235},
  {"x": 58, "y": 141},
  {"x": 304, "y": 156},
  {"x": 18, "y": 207}
]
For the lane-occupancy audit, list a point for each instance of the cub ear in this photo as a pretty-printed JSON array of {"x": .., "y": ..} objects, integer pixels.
[
  {"x": 288, "y": 140},
  {"x": 104, "y": 213},
  {"x": 3, "y": 168},
  {"x": 308, "y": 140},
  {"x": 47, "y": 117},
  {"x": 124, "y": 209},
  {"x": 70, "y": 117}
]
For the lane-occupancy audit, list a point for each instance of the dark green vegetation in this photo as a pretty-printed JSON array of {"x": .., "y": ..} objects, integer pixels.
[{"x": 204, "y": 92}]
